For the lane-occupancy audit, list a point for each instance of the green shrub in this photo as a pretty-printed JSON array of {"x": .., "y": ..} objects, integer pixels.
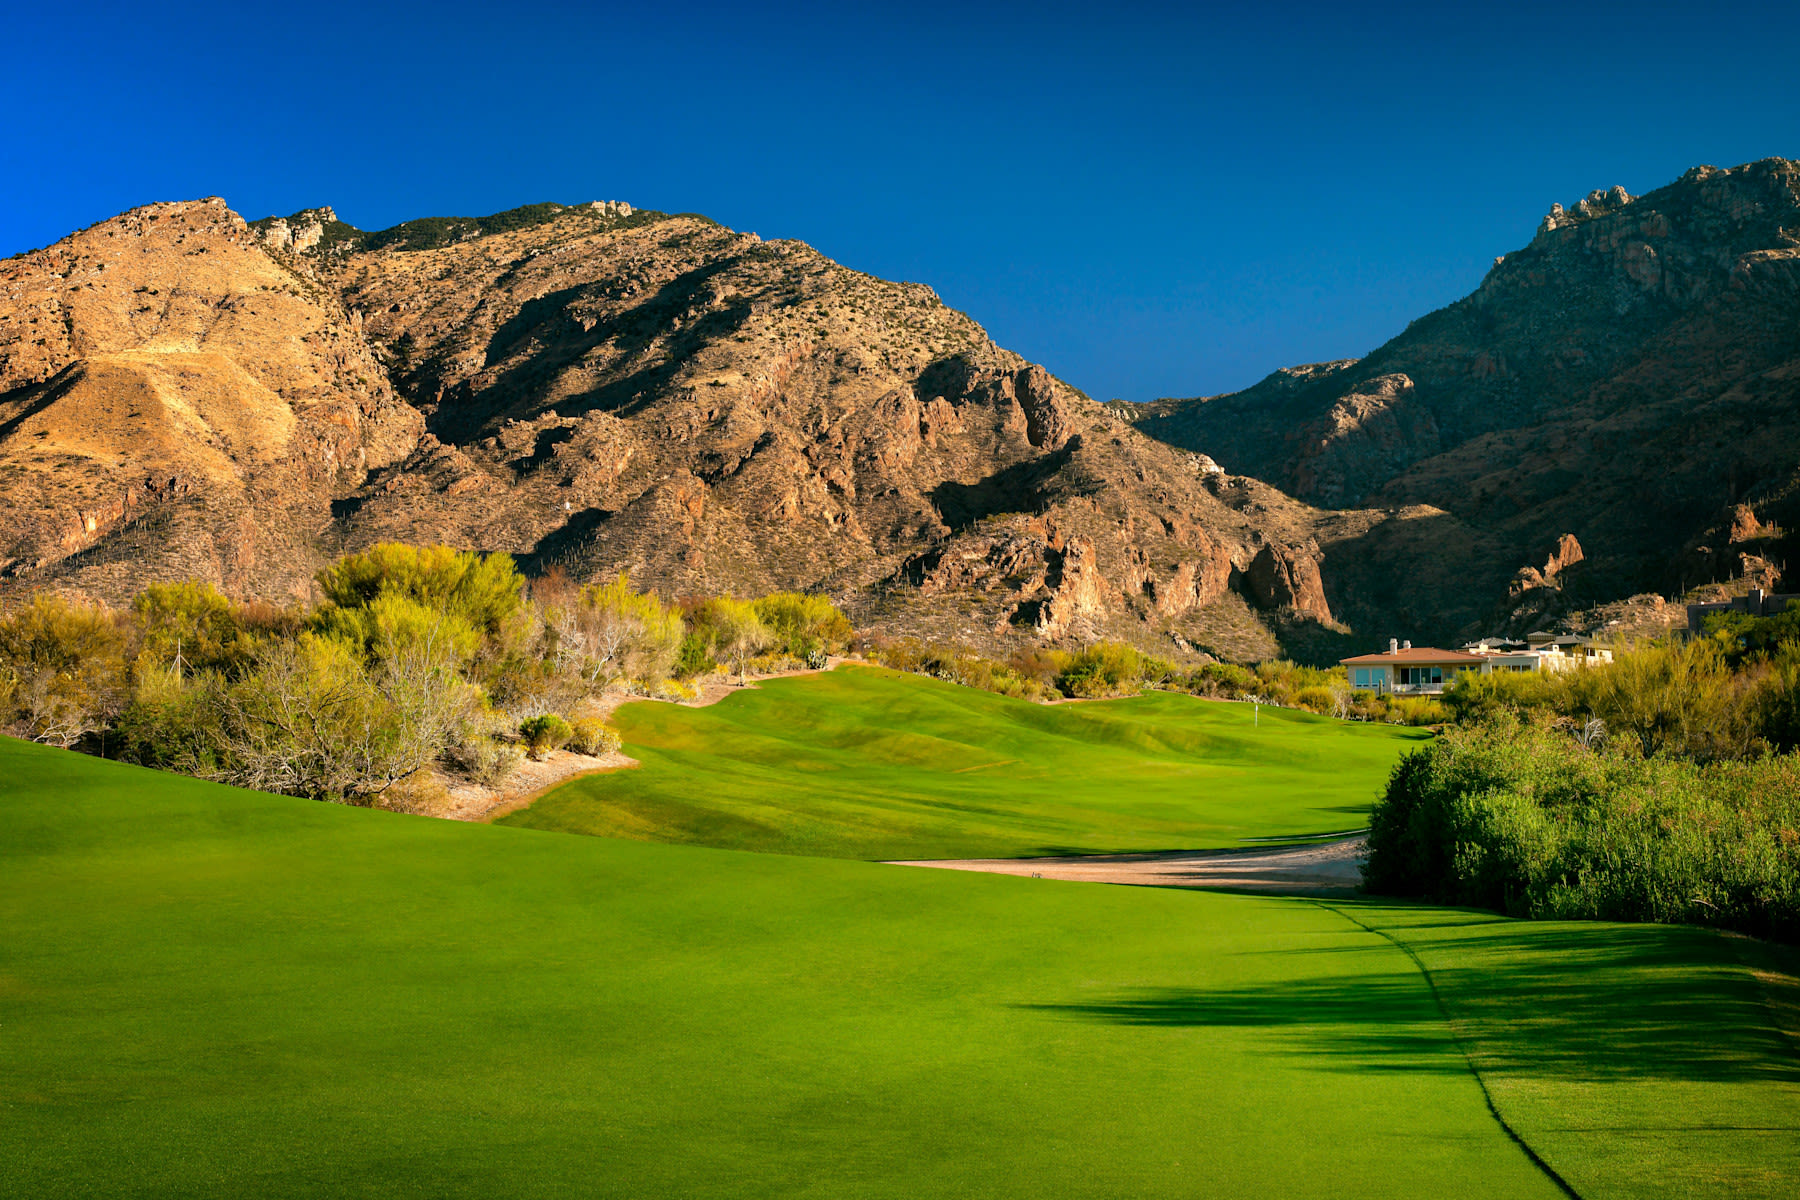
[
  {"x": 545, "y": 733},
  {"x": 1523, "y": 819},
  {"x": 694, "y": 656},
  {"x": 1103, "y": 669}
]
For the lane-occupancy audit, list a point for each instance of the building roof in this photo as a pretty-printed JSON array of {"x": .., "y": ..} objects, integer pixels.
[{"x": 1416, "y": 655}]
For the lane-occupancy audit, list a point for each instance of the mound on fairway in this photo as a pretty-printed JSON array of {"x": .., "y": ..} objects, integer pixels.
[{"x": 868, "y": 763}]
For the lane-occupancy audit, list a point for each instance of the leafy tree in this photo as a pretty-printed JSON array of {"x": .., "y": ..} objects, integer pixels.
[
  {"x": 63, "y": 670},
  {"x": 806, "y": 627},
  {"x": 738, "y": 632},
  {"x": 189, "y": 626},
  {"x": 481, "y": 589}
]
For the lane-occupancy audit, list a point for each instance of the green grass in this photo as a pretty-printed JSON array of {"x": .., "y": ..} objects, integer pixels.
[
  {"x": 868, "y": 763},
  {"x": 211, "y": 992}
]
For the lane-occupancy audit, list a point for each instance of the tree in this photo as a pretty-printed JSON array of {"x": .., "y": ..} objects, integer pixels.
[
  {"x": 63, "y": 670},
  {"x": 608, "y": 632},
  {"x": 1673, "y": 695},
  {"x": 738, "y": 632},
  {"x": 807, "y": 627},
  {"x": 482, "y": 589},
  {"x": 319, "y": 716},
  {"x": 189, "y": 626}
]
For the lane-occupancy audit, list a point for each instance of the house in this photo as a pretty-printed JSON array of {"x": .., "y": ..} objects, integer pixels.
[
  {"x": 1408, "y": 670},
  {"x": 1756, "y": 603},
  {"x": 1565, "y": 650}
]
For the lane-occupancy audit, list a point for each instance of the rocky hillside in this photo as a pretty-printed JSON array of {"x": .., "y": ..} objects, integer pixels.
[
  {"x": 599, "y": 388},
  {"x": 1630, "y": 377}
]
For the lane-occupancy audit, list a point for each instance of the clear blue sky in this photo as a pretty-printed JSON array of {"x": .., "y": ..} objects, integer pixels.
[{"x": 1150, "y": 199}]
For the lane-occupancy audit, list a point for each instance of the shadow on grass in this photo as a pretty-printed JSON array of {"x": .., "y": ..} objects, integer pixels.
[{"x": 1605, "y": 1003}]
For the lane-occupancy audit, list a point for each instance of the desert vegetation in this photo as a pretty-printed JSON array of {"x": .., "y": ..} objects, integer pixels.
[
  {"x": 414, "y": 660},
  {"x": 1664, "y": 786},
  {"x": 1108, "y": 669}
]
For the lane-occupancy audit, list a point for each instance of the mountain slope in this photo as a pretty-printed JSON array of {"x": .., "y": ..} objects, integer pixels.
[
  {"x": 598, "y": 389},
  {"x": 1629, "y": 377},
  {"x": 174, "y": 401}
]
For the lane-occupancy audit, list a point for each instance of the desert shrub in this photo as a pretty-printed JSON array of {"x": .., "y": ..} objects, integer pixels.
[
  {"x": 1103, "y": 669},
  {"x": 593, "y": 736},
  {"x": 1675, "y": 695},
  {"x": 481, "y": 589},
  {"x": 736, "y": 631},
  {"x": 808, "y": 628},
  {"x": 1774, "y": 699},
  {"x": 545, "y": 733},
  {"x": 1524, "y": 819},
  {"x": 317, "y": 716},
  {"x": 1039, "y": 664},
  {"x": 1318, "y": 699},
  {"x": 962, "y": 665},
  {"x": 694, "y": 657},
  {"x": 191, "y": 627},
  {"x": 1414, "y": 710},
  {"x": 63, "y": 673},
  {"x": 171, "y": 721},
  {"x": 1226, "y": 681},
  {"x": 608, "y": 632},
  {"x": 675, "y": 689},
  {"x": 486, "y": 759},
  {"x": 421, "y": 794}
]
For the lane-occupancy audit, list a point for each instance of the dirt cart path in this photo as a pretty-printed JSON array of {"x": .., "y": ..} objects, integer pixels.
[{"x": 1321, "y": 869}]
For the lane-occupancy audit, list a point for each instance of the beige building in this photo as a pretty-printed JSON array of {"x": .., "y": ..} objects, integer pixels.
[
  {"x": 1423, "y": 670},
  {"x": 1408, "y": 670}
]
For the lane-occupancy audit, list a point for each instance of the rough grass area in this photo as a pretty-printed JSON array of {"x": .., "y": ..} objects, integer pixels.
[{"x": 868, "y": 763}]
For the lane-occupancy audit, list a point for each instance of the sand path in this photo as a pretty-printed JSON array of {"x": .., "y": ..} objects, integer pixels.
[{"x": 1317, "y": 869}]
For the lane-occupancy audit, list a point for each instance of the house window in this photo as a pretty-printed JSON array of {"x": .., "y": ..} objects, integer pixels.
[
  {"x": 1421, "y": 676},
  {"x": 1364, "y": 677}
]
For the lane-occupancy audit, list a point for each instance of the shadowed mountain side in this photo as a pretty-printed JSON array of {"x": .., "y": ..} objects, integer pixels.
[{"x": 1629, "y": 377}]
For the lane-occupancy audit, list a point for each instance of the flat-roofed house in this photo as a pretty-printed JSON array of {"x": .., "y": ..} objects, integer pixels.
[{"x": 1408, "y": 669}]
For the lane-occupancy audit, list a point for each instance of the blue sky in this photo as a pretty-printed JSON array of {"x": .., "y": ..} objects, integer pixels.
[{"x": 1150, "y": 199}]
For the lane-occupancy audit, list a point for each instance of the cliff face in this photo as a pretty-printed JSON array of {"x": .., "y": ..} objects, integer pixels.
[
  {"x": 1630, "y": 377},
  {"x": 598, "y": 388}
]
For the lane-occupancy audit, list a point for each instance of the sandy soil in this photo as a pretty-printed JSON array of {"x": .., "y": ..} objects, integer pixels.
[
  {"x": 529, "y": 780},
  {"x": 1323, "y": 869}
]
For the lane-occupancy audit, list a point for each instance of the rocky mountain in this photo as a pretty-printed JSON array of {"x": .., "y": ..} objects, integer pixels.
[
  {"x": 599, "y": 388},
  {"x": 1631, "y": 377}
]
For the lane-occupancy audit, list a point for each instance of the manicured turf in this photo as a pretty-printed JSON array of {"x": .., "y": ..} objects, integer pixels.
[
  {"x": 867, "y": 763},
  {"x": 210, "y": 992}
]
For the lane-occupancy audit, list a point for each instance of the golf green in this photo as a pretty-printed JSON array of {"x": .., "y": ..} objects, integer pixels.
[
  {"x": 867, "y": 763},
  {"x": 212, "y": 992}
]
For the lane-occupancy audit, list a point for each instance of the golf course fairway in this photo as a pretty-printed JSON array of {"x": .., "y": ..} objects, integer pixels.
[
  {"x": 210, "y": 992},
  {"x": 868, "y": 763}
]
